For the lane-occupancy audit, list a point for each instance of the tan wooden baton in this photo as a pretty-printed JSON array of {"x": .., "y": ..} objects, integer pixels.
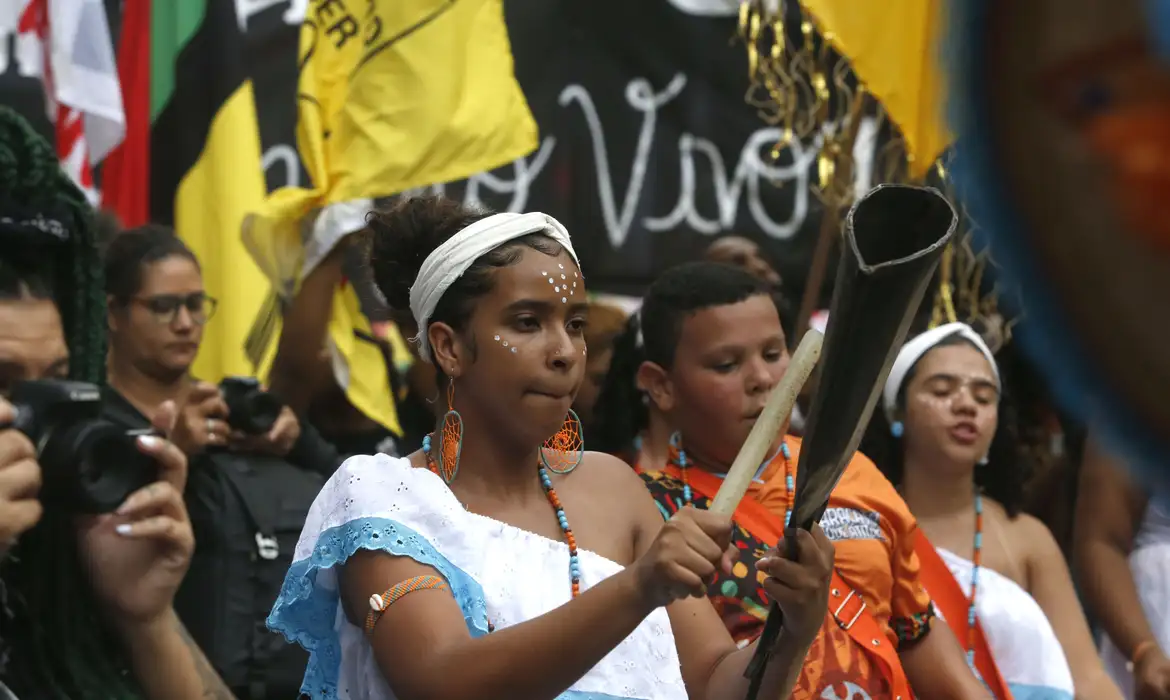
[{"x": 776, "y": 411}]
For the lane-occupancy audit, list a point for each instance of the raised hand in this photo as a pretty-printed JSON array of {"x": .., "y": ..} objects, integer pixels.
[
  {"x": 202, "y": 420},
  {"x": 801, "y": 586},
  {"x": 137, "y": 557},
  {"x": 688, "y": 552},
  {"x": 20, "y": 481}
]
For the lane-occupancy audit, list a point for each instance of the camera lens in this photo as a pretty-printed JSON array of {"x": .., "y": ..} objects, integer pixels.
[
  {"x": 259, "y": 411},
  {"x": 93, "y": 466}
]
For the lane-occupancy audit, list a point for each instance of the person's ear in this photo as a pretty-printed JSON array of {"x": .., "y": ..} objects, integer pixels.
[{"x": 655, "y": 381}]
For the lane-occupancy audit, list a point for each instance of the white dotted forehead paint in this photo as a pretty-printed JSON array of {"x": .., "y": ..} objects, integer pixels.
[
  {"x": 564, "y": 300},
  {"x": 562, "y": 275},
  {"x": 497, "y": 338},
  {"x": 513, "y": 348},
  {"x": 557, "y": 289},
  {"x": 560, "y": 266},
  {"x": 505, "y": 343},
  {"x": 574, "y": 274}
]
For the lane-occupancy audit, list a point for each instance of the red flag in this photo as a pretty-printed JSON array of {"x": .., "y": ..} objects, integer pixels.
[{"x": 126, "y": 172}]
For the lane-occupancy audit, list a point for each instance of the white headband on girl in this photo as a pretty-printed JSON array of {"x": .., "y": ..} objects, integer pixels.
[
  {"x": 450, "y": 260},
  {"x": 914, "y": 350}
]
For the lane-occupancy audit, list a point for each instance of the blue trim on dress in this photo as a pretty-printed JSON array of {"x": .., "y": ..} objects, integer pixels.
[
  {"x": 306, "y": 613},
  {"x": 1047, "y": 335}
]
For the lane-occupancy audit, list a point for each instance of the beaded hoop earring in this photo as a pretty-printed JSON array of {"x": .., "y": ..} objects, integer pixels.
[
  {"x": 446, "y": 465},
  {"x": 567, "y": 446}
]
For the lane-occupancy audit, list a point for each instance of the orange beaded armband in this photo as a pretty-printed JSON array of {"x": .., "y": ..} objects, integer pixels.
[{"x": 379, "y": 603}]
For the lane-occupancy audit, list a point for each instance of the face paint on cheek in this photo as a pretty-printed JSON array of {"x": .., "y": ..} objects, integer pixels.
[{"x": 504, "y": 343}]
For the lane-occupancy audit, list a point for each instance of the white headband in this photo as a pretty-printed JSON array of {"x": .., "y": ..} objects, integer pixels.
[
  {"x": 450, "y": 260},
  {"x": 914, "y": 350}
]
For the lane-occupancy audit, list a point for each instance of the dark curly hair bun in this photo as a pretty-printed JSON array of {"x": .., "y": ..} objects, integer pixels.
[{"x": 401, "y": 238}]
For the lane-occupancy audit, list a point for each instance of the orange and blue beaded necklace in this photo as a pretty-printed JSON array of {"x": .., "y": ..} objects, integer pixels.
[
  {"x": 976, "y": 563},
  {"x": 554, "y": 501},
  {"x": 678, "y": 457}
]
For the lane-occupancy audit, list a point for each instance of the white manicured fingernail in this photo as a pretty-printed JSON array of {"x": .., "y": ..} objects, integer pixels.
[
  {"x": 150, "y": 442},
  {"x": 124, "y": 529}
]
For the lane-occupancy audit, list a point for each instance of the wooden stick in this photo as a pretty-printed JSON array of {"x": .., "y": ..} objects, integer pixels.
[{"x": 776, "y": 411}]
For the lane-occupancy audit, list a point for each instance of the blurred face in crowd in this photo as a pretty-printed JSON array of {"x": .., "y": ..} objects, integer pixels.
[
  {"x": 32, "y": 342},
  {"x": 159, "y": 329},
  {"x": 596, "y": 367},
  {"x": 727, "y": 361},
  {"x": 744, "y": 253},
  {"x": 951, "y": 408}
]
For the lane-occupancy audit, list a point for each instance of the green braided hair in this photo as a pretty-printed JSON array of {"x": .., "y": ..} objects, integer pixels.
[{"x": 58, "y": 647}]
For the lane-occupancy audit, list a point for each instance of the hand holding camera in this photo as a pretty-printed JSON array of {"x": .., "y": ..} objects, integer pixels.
[
  {"x": 202, "y": 421},
  {"x": 260, "y": 421},
  {"x": 20, "y": 481},
  {"x": 137, "y": 556}
]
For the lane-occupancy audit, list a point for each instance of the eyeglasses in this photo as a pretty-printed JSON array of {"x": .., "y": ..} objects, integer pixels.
[{"x": 165, "y": 307}]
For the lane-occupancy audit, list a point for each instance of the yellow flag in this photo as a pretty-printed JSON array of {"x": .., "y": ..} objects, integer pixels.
[
  {"x": 894, "y": 46},
  {"x": 394, "y": 94}
]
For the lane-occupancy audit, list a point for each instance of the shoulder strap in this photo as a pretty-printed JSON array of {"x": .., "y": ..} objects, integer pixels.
[
  {"x": 954, "y": 604},
  {"x": 849, "y": 609}
]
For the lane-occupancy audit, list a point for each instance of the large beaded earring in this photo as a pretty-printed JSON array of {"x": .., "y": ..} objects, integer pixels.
[
  {"x": 446, "y": 465},
  {"x": 565, "y": 450}
]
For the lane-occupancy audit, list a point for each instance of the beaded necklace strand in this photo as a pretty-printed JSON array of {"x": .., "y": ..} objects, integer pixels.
[
  {"x": 679, "y": 459},
  {"x": 976, "y": 562},
  {"x": 554, "y": 501}
]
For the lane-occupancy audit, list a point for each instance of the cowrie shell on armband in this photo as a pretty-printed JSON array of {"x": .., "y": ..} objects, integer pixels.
[{"x": 376, "y": 603}]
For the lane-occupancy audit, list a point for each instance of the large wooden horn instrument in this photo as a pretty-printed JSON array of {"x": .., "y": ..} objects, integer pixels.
[{"x": 894, "y": 237}]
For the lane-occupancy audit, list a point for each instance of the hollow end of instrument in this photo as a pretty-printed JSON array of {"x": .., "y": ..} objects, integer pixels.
[{"x": 896, "y": 224}]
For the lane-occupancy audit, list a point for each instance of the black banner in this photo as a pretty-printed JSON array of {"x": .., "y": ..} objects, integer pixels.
[{"x": 648, "y": 149}]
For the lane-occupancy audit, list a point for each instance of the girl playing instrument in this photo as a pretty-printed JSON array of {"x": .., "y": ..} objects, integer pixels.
[
  {"x": 714, "y": 350},
  {"x": 486, "y": 565},
  {"x": 996, "y": 574}
]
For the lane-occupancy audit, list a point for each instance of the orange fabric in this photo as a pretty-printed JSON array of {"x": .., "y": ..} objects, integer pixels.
[
  {"x": 955, "y": 606},
  {"x": 874, "y": 534},
  {"x": 849, "y": 648}
]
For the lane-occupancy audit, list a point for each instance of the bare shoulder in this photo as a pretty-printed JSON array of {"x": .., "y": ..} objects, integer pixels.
[
  {"x": 1038, "y": 540},
  {"x": 603, "y": 471}
]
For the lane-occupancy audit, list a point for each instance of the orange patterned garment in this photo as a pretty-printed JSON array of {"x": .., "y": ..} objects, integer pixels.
[{"x": 874, "y": 535}]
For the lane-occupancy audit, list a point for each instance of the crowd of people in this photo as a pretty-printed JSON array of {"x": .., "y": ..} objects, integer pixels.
[{"x": 538, "y": 525}]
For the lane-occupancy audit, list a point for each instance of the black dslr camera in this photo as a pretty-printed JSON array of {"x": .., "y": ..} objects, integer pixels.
[
  {"x": 88, "y": 464},
  {"x": 250, "y": 408}
]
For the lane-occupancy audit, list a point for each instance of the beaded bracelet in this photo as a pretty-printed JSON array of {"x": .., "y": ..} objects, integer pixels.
[{"x": 380, "y": 603}]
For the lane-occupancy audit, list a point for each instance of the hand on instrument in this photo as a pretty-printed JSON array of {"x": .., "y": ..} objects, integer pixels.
[
  {"x": 1151, "y": 676},
  {"x": 278, "y": 441},
  {"x": 801, "y": 586},
  {"x": 20, "y": 481},
  {"x": 202, "y": 421},
  {"x": 692, "y": 547}
]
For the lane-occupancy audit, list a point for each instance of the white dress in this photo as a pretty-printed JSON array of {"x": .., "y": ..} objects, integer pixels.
[
  {"x": 493, "y": 569},
  {"x": 1150, "y": 565},
  {"x": 1019, "y": 635}
]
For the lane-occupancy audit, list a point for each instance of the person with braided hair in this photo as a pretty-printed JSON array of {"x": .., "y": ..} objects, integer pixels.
[{"x": 87, "y": 601}]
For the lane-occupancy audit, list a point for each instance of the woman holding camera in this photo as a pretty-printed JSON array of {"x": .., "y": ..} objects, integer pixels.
[{"x": 88, "y": 598}]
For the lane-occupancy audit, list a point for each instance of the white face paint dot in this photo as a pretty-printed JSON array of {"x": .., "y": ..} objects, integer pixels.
[
  {"x": 550, "y": 280},
  {"x": 570, "y": 292},
  {"x": 574, "y": 285},
  {"x": 497, "y": 337},
  {"x": 557, "y": 289},
  {"x": 574, "y": 274},
  {"x": 513, "y": 349},
  {"x": 560, "y": 266},
  {"x": 543, "y": 273},
  {"x": 562, "y": 275},
  {"x": 505, "y": 343}
]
